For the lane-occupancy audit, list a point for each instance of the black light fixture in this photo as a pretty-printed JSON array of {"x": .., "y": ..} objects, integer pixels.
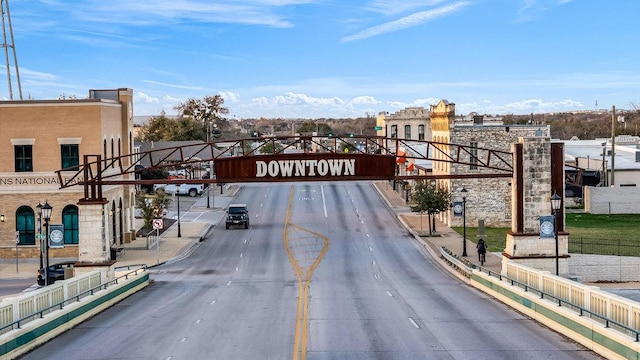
[
  {"x": 39, "y": 209},
  {"x": 464, "y": 221},
  {"x": 46, "y": 215},
  {"x": 178, "y": 199},
  {"x": 556, "y": 203}
]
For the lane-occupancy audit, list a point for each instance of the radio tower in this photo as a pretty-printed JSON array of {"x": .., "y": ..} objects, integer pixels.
[{"x": 6, "y": 13}]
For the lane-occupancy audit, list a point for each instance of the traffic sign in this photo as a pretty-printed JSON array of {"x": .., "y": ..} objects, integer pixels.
[
  {"x": 157, "y": 224},
  {"x": 378, "y": 128}
]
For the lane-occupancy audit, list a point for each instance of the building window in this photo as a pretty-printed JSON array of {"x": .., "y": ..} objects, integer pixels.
[
  {"x": 420, "y": 132},
  {"x": 394, "y": 131},
  {"x": 70, "y": 156},
  {"x": 104, "y": 153},
  {"x": 407, "y": 132},
  {"x": 473, "y": 158},
  {"x": 112, "y": 152},
  {"x": 25, "y": 225},
  {"x": 24, "y": 158},
  {"x": 70, "y": 222}
]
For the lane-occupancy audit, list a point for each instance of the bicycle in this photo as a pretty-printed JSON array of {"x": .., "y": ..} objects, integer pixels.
[{"x": 482, "y": 258}]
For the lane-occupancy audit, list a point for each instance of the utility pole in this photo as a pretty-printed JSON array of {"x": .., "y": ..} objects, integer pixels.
[
  {"x": 613, "y": 144},
  {"x": 6, "y": 45}
]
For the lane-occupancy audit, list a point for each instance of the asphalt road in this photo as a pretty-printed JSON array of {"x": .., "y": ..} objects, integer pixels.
[{"x": 324, "y": 272}]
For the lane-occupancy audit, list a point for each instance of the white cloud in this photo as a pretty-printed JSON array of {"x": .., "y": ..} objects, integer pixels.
[
  {"x": 260, "y": 101},
  {"x": 407, "y": 21},
  {"x": 364, "y": 100},
  {"x": 392, "y": 7},
  {"x": 291, "y": 98},
  {"x": 229, "y": 96},
  {"x": 532, "y": 9},
  {"x": 140, "y": 96},
  {"x": 148, "y": 13}
]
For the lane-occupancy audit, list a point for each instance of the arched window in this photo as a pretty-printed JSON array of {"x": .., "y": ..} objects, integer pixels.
[
  {"x": 70, "y": 222},
  {"x": 25, "y": 224},
  {"x": 112, "y": 149},
  {"x": 104, "y": 153}
]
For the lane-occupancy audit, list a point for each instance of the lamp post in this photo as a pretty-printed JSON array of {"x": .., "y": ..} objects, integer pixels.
[
  {"x": 178, "y": 198},
  {"x": 464, "y": 221},
  {"x": 46, "y": 215},
  {"x": 39, "y": 208},
  {"x": 556, "y": 202}
]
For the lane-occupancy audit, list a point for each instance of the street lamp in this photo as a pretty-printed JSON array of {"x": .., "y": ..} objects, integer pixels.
[
  {"x": 39, "y": 208},
  {"x": 556, "y": 202},
  {"x": 46, "y": 215},
  {"x": 464, "y": 221},
  {"x": 178, "y": 197}
]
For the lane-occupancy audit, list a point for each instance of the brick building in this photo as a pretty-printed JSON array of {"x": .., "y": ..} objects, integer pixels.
[{"x": 39, "y": 137}]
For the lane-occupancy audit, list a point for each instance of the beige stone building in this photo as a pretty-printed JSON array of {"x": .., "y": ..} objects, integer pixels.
[
  {"x": 39, "y": 137},
  {"x": 488, "y": 199},
  {"x": 409, "y": 123}
]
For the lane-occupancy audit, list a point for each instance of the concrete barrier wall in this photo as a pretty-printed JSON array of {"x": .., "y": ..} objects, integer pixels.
[
  {"x": 612, "y": 200},
  {"x": 39, "y": 331},
  {"x": 590, "y": 333},
  {"x": 605, "y": 267}
]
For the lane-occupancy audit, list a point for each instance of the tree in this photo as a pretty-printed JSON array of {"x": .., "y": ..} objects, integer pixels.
[
  {"x": 430, "y": 199},
  {"x": 151, "y": 206},
  {"x": 207, "y": 111},
  {"x": 162, "y": 128},
  {"x": 314, "y": 126},
  {"x": 271, "y": 147}
]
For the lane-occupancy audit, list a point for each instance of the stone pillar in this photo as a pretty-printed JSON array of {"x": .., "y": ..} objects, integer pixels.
[
  {"x": 532, "y": 187},
  {"x": 94, "y": 248}
]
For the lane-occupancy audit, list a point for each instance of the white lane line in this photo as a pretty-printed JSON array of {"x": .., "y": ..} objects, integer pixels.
[
  {"x": 213, "y": 302},
  {"x": 229, "y": 283},
  {"x": 415, "y": 324},
  {"x": 389, "y": 293},
  {"x": 324, "y": 201}
]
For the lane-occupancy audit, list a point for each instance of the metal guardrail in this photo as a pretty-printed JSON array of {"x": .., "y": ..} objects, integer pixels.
[
  {"x": 76, "y": 298},
  {"x": 467, "y": 270}
]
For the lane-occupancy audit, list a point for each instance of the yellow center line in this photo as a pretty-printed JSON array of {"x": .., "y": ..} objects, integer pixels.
[{"x": 304, "y": 277}]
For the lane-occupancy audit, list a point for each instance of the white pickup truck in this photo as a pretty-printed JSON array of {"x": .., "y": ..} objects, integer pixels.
[{"x": 192, "y": 190}]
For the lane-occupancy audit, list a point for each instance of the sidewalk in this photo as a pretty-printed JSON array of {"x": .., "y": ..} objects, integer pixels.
[
  {"x": 171, "y": 246},
  {"x": 443, "y": 236}
]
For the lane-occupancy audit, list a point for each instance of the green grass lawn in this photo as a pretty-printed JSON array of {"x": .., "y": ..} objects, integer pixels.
[{"x": 588, "y": 233}]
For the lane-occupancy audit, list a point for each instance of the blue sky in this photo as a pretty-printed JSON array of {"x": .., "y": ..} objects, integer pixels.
[{"x": 333, "y": 58}]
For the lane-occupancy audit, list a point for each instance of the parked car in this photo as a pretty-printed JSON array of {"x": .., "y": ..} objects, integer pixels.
[
  {"x": 192, "y": 190},
  {"x": 56, "y": 272}
]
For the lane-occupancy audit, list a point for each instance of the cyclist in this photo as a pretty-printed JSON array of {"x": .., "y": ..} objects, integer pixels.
[{"x": 482, "y": 250}]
